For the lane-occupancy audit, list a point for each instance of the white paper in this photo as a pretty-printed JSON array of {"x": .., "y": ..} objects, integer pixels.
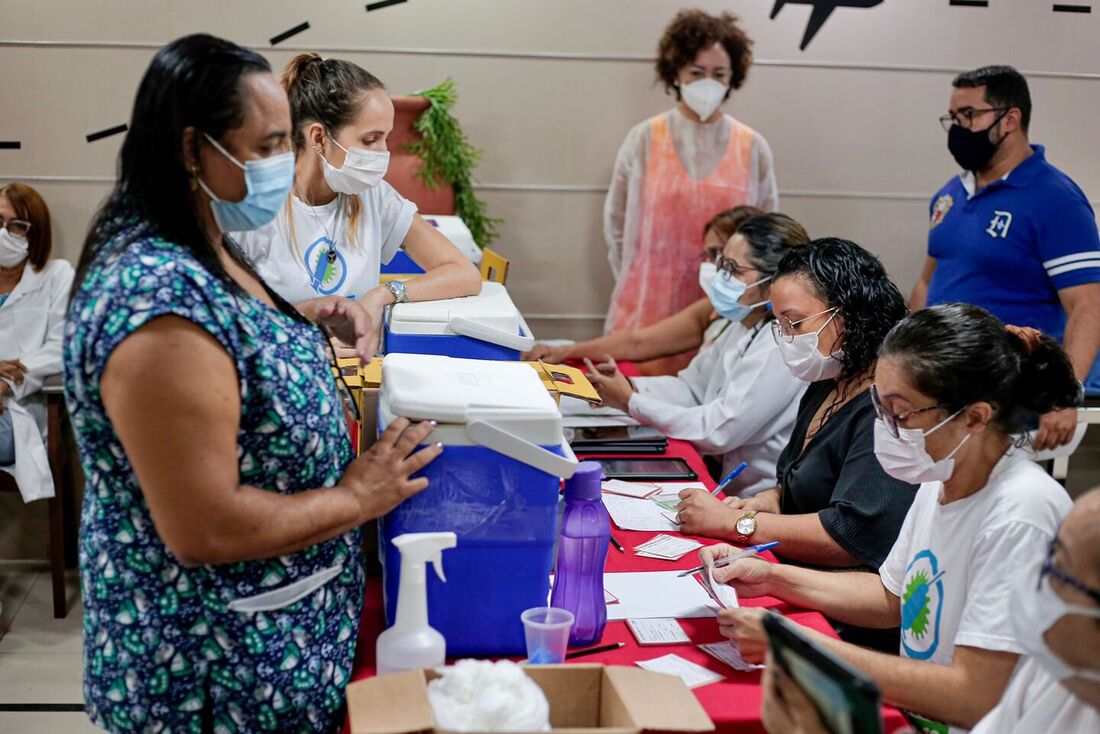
[
  {"x": 637, "y": 490},
  {"x": 669, "y": 495},
  {"x": 648, "y": 595},
  {"x": 691, "y": 674},
  {"x": 634, "y": 514},
  {"x": 667, "y": 547},
  {"x": 609, "y": 598},
  {"x": 1067, "y": 450},
  {"x": 577, "y": 408},
  {"x": 729, "y": 655},
  {"x": 723, "y": 594},
  {"x": 663, "y": 631}
]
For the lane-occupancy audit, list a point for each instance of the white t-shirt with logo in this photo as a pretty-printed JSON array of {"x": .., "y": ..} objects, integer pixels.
[
  {"x": 301, "y": 267},
  {"x": 954, "y": 566}
]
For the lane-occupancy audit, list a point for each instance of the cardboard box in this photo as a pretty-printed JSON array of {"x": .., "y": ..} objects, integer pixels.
[{"x": 584, "y": 699}]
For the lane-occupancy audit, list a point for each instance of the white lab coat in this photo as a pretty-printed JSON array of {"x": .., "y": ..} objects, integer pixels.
[
  {"x": 736, "y": 400},
  {"x": 32, "y": 324}
]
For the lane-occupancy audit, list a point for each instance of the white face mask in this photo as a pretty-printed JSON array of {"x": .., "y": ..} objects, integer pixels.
[
  {"x": 1035, "y": 612},
  {"x": 905, "y": 459},
  {"x": 803, "y": 358},
  {"x": 707, "y": 272},
  {"x": 703, "y": 96},
  {"x": 13, "y": 250},
  {"x": 362, "y": 170}
]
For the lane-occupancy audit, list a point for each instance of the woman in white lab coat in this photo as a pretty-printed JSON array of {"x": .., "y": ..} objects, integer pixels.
[
  {"x": 735, "y": 401},
  {"x": 34, "y": 293}
]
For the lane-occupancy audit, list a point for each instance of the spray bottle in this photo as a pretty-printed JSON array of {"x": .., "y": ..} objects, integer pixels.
[{"x": 410, "y": 644}]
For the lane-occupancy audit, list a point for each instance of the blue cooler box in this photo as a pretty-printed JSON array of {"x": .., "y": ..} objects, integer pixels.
[
  {"x": 485, "y": 326},
  {"x": 401, "y": 264},
  {"x": 495, "y": 486}
]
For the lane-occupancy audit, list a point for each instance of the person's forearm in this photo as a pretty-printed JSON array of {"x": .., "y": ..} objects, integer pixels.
[
  {"x": 946, "y": 693},
  {"x": 853, "y": 597},
  {"x": 258, "y": 523},
  {"x": 919, "y": 296},
  {"x": 801, "y": 538},
  {"x": 451, "y": 280},
  {"x": 1082, "y": 341},
  {"x": 619, "y": 345}
]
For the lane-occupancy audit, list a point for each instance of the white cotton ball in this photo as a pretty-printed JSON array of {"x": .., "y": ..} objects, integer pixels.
[{"x": 479, "y": 695}]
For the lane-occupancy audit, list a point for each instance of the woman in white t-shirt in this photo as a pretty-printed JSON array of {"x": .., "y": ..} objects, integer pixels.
[
  {"x": 342, "y": 221},
  {"x": 948, "y": 385}
]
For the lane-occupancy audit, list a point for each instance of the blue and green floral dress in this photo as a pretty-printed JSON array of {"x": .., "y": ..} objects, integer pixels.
[{"x": 169, "y": 648}]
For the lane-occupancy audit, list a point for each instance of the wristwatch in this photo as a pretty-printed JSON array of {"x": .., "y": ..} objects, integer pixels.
[
  {"x": 397, "y": 288},
  {"x": 746, "y": 524}
]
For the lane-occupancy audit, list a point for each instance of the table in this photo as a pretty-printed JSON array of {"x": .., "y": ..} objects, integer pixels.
[{"x": 733, "y": 704}]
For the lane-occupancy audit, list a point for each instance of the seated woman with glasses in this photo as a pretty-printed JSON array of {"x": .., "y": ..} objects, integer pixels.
[
  {"x": 949, "y": 383},
  {"x": 695, "y": 326},
  {"x": 735, "y": 401},
  {"x": 834, "y": 505},
  {"x": 34, "y": 293}
]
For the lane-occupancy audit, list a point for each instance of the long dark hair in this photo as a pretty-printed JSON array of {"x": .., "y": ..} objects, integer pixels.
[
  {"x": 194, "y": 81},
  {"x": 770, "y": 237},
  {"x": 845, "y": 276},
  {"x": 958, "y": 354}
]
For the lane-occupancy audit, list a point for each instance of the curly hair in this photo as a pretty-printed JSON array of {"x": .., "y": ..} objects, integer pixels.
[
  {"x": 958, "y": 354},
  {"x": 847, "y": 277},
  {"x": 692, "y": 31}
]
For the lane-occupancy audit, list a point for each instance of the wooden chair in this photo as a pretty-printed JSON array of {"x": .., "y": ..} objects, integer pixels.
[
  {"x": 494, "y": 267},
  {"x": 61, "y": 507}
]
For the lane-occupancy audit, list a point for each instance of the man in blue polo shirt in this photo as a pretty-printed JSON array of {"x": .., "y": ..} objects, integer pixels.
[{"x": 1012, "y": 233}]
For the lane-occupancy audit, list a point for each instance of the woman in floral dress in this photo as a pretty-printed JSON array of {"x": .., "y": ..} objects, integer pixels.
[{"x": 219, "y": 550}]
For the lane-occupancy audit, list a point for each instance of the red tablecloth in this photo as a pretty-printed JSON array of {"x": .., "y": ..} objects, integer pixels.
[{"x": 733, "y": 704}]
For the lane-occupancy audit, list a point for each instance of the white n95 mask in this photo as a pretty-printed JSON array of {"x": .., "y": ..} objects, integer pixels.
[
  {"x": 13, "y": 250},
  {"x": 803, "y": 359},
  {"x": 905, "y": 458},
  {"x": 707, "y": 272},
  {"x": 1035, "y": 612},
  {"x": 362, "y": 170},
  {"x": 703, "y": 96}
]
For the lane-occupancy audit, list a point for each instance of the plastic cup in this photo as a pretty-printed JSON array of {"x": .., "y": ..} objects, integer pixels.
[{"x": 547, "y": 632}]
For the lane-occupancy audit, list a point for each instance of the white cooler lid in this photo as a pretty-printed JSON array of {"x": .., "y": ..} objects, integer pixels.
[{"x": 493, "y": 307}]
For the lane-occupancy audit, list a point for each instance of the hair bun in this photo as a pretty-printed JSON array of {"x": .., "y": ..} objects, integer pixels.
[{"x": 298, "y": 67}]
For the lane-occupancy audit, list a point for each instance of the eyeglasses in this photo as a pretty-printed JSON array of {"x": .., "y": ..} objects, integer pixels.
[
  {"x": 18, "y": 227},
  {"x": 341, "y": 384},
  {"x": 729, "y": 267},
  {"x": 892, "y": 419},
  {"x": 966, "y": 114},
  {"x": 1049, "y": 569},
  {"x": 783, "y": 327}
]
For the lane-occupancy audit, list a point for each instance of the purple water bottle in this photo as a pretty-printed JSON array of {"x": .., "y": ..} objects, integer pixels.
[{"x": 582, "y": 551}]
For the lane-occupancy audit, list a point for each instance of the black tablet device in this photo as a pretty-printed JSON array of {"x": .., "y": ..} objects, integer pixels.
[
  {"x": 590, "y": 449},
  {"x": 848, "y": 701},
  {"x": 663, "y": 469},
  {"x": 619, "y": 435}
]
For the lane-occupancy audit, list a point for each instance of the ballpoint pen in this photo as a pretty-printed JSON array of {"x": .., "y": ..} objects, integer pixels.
[
  {"x": 730, "y": 477},
  {"x": 752, "y": 550}
]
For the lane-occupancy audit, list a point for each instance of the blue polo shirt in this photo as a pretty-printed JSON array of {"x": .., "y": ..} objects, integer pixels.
[{"x": 1012, "y": 246}]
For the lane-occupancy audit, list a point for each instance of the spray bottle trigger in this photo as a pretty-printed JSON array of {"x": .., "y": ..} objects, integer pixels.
[{"x": 437, "y": 564}]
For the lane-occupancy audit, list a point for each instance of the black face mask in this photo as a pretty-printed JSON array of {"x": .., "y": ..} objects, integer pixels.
[{"x": 972, "y": 149}]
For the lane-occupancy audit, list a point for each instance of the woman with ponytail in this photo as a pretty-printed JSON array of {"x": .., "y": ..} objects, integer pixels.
[
  {"x": 949, "y": 383},
  {"x": 342, "y": 220}
]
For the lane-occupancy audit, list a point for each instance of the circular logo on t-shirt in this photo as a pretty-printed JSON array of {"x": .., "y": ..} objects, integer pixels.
[
  {"x": 326, "y": 275},
  {"x": 921, "y": 605}
]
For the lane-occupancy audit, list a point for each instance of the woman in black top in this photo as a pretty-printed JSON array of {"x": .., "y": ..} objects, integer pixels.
[{"x": 834, "y": 506}]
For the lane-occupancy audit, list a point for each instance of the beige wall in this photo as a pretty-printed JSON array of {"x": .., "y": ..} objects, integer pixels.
[{"x": 549, "y": 88}]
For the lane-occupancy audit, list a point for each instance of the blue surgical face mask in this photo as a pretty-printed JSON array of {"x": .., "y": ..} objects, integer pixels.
[
  {"x": 269, "y": 182},
  {"x": 725, "y": 295}
]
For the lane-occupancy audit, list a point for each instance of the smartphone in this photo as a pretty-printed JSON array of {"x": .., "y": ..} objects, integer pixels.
[
  {"x": 619, "y": 434},
  {"x": 664, "y": 469},
  {"x": 848, "y": 701},
  {"x": 590, "y": 449}
]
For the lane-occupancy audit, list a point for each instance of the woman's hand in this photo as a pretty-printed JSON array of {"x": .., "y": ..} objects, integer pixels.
[
  {"x": 764, "y": 502},
  {"x": 380, "y": 478},
  {"x": 352, "y": 323},
  {"x": 701, "y": 513},
  {"x": 12, "y": 369},
  {"x": 787, "y": 709},
  {"x": 744, "y": 627},
  {"x": 555, "y": 354},
  {"x": 613, "y": 386}
]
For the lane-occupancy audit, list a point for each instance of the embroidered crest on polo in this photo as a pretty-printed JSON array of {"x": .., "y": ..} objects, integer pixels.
[
  {"x": 940, "y": 208},
  {"x": 998, "y": 226}
]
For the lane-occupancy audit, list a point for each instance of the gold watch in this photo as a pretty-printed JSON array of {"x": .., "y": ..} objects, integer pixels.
[{"x": 746, "y": 524}]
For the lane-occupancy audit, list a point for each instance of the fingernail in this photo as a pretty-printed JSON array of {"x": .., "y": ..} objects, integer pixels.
[{"x": 434, "y": 424}]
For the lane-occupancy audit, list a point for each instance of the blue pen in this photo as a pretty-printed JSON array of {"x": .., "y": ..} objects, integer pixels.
[
  {"x": 730, "y": 477},
  {"x": 752, "y": 550}
]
